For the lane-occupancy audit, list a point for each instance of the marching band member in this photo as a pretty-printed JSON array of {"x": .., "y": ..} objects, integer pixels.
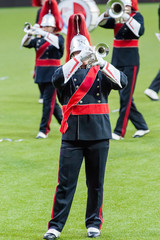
[
  {"x": 57, "y": 111},
  {"x": 38, "y": 3},
  {"x": 83, "y": 92},
  {"x": 152, "y": 91},
  {"x": 126, "y": 58},
  {"x": 49, "y": 47}
]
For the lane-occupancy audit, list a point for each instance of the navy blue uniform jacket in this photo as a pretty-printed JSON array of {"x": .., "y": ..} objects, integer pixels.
[
  {"x": 43, "y": 74},
  {"x": 91, "y": 126},
  {"x": 125, "y": 56}
]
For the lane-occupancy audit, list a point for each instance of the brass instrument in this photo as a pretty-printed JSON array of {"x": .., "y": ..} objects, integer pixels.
[
  {"x": 100, "y": 50},
  {"x": 27, "y": 26},
  {"x": 115, "y": 8}
]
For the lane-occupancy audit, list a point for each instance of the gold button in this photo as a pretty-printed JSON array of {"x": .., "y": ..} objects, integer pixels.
[
  {"x": 81, "y": 101},
  {"x": 99, "y": 101},
  {"x": 97, "y": 94},
  {"x": 97, "y": 79},
  {"x": 98, "y": 86}
]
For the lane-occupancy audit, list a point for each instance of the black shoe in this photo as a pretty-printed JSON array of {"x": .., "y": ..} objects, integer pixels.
[{"x": 49, "y": 236}]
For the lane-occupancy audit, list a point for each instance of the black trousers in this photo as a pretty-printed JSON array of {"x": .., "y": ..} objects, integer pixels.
[
  {"x": 41, "y": 89},
  {"x": 49, "y": 98},
  {"x": 57, "y": 111},
  {"x": 71, "y": 156},
  {"x": 128, "y": 110},
  {"x": 155, "y": 85}
]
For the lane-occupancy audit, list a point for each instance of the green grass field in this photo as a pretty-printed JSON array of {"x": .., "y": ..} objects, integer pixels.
[{"x": 28, "y": 169}]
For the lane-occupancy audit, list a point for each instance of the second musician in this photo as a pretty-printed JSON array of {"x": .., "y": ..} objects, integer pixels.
[{"x": 127, "y": 31}]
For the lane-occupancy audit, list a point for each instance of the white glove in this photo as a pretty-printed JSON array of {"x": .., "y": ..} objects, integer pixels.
[
  {"x": 38, "y": 31},
  {"x": 125, "y": 17},
  {"x": 85, "y": 54},
  {"x": 100, "y": 61}
]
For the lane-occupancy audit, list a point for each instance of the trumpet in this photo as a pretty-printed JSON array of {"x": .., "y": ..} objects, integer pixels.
[
  {"x": 28, "y": 28},
  {"x": 100, "y": 50},
  {"x": 115, "y": 8}
]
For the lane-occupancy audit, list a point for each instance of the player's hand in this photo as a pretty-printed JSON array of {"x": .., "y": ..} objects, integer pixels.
[
  {"x": 126, "y": 14},
  {"x": 100, "y": 61},
  {"x": 86, "y": 54},
  {"x": 125, "y": 17},
  {"x": 38, "y": 31}
]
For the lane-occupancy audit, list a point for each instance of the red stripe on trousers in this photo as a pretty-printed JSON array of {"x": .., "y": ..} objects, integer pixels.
[
  {"x": 100, "y": 216},
  {"x": 51, "y": 111},
  {"x": 53, "y": 203},
  {"x": 125, "y": 121}
]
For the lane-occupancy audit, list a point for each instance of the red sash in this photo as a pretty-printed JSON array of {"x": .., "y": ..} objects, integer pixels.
[
  {"x": 45, "y": 62},
  {"x": 85, "y": 109},
  {"x": 125, "y": 43},
  {"x": 78, "y": 95}
]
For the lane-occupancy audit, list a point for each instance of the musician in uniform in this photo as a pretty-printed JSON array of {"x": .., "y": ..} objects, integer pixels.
[
  {"x": 83, "y": 92},
  {"x": 49, "y": 47},
  {"x": 127, "y": 30},
  {"x": 153, "y": 90},
  {"x": 57, "y": 111},
  {"x": 38, "y": 3}
]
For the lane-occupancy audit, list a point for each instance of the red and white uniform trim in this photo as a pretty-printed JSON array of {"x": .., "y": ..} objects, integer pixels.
[
  {"x": 70, "y": 68},
  {"x": 52, "y": 39},
  {"x": 134, "y": 26},
  {"x": 112, "y": 73}
]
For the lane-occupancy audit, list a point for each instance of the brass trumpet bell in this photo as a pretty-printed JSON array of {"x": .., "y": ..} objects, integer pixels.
[
  {"x": 102, "y": 50},
  {"x": 115, "y": 8},
  {"x": 27, "y": 26}
]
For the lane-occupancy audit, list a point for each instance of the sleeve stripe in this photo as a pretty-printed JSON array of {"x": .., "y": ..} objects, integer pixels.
[{"x": 73, "y": 67}]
